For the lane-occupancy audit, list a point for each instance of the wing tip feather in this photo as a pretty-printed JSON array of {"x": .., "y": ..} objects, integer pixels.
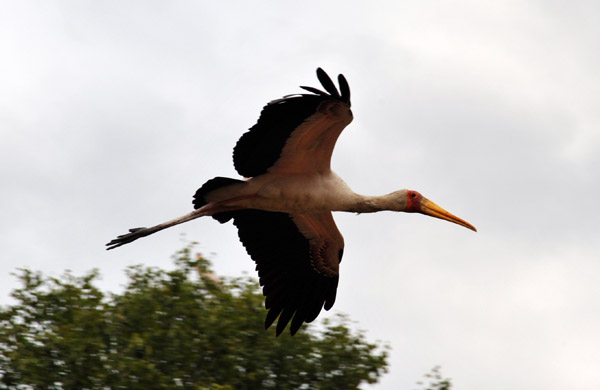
[
  {"x": 344, "y": 89},
  {"x": 327, "y": 83},
  {"x": 343, "y": 94}
]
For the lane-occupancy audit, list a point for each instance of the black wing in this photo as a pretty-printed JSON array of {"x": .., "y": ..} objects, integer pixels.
[
  {"x": 260, "y": 147},
  {"x": 293, "y": 289}
]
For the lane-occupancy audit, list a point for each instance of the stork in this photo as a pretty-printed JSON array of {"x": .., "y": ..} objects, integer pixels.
[{"x": 282, "y": 209}]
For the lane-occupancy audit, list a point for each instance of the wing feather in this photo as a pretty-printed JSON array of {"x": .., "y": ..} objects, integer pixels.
[
  {"x": 314, "y": 90},
  {"x": 284, "y": 249},
  {"x": 309, "y": 147},
  {"x": 344, "y": 89},
  {"x": 327, "y": 83},
  {"x": 262, "y": 146}
]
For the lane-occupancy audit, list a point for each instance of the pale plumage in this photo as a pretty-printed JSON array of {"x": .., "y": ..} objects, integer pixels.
[{"x": 283, "y": 208}]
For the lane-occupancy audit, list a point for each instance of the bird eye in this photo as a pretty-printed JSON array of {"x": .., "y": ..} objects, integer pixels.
[{"x": 413, "y": 195}]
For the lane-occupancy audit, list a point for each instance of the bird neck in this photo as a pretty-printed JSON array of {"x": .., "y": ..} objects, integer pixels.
[{"x": 394, "y": 201}]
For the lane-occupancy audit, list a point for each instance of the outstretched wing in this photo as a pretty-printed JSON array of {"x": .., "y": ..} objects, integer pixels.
[
  {"x": 297, "y": 259},
  {"x": 296, "y": 133}
]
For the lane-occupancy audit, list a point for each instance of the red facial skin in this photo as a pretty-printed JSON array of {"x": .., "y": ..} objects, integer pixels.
[{"x": 413, "y": 203}]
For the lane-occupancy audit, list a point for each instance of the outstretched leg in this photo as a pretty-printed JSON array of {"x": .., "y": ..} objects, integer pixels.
[
  {"x": 140, "y": 232},
  {"x": 206, "y": 210}
]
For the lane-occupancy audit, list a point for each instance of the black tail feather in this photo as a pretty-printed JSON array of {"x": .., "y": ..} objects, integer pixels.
[{"x": 209, "y": 186}]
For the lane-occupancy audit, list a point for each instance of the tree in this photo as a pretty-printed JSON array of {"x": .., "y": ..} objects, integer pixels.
[
  {"x": 182, "y": 329},
  {"x": 436, "y": 382}
]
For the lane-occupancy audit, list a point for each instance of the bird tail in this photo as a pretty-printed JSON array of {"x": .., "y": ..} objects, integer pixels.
[{"x": 208, "y": 187}]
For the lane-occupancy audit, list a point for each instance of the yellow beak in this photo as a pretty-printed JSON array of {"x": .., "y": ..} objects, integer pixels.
[{"x": 433, "y": 210}]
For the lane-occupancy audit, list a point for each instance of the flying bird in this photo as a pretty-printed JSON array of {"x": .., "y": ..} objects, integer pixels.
[{"x": 282, "y": 208}]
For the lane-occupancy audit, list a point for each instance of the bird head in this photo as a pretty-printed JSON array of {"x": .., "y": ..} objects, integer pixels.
[{"x": 417, "y": 203}]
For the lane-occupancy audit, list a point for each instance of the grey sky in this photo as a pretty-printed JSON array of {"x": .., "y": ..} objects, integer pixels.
[{"x": 113, "y": 113}]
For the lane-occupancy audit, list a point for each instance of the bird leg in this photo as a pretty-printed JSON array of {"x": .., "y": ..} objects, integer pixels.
[
  {"x": 140, "y": 232},
  {"x": 206, "y": 210}
]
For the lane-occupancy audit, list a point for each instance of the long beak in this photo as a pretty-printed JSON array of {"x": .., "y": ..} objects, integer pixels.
[{"x": 433, "y": 210}]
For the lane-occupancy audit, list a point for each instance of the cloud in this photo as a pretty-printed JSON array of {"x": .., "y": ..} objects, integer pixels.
[{"x": 111, "y": 117}]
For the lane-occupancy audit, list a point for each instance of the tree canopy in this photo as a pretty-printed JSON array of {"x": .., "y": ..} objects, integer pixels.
[
  {"x": 435, "y": 381},
  {"x": 179, "y": 329}
]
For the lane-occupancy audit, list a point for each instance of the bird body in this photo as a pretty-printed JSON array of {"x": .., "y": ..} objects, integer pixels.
[
  {"x": 283, "y": 207},
  {"x": 295, "y": 194}
]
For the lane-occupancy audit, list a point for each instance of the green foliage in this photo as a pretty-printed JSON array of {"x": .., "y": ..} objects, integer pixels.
[
  {"x": 435, "y": 381},
  {"x": 180, "y": 329}
]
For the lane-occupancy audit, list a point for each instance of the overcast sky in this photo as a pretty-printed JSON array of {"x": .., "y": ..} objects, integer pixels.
[{"x": 112, "y": 114}]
